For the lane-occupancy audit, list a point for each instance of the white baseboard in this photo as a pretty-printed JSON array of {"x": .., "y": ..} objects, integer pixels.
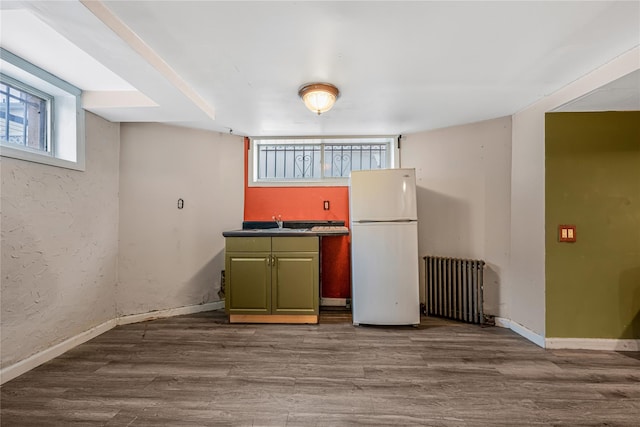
[
  {"x": 501, "y": 322},
  {"x": 333, "y": 302},
  {"x": 607, "y": 344},
  {"x": 523, "y": 331},
  {"x": 33, "y": 361},
  {"x": 610, "y": 344},
  {"x": 25, "y": 365},
  {"x": 170, "y": 312}
]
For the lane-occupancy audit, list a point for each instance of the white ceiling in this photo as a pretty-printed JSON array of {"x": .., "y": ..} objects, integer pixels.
[{"x": 401, "y": 67}]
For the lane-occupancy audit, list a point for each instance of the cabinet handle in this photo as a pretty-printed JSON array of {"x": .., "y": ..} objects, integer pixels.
[{"x": 271, "y": 260}]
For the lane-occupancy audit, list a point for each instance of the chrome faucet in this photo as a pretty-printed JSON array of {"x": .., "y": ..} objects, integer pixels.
[{"x": 278, "y": 220}]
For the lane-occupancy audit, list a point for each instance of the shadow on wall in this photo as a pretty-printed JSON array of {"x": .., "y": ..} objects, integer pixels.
[
  {"x": 203, "y": 286},
  {"x": 443, "y": 227},
  {"x": 491, "y": 303},
  {"x": 630, "y": 297}
]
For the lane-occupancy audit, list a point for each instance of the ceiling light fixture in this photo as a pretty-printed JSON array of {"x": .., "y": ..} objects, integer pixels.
[{"x": 319, "y": 97}]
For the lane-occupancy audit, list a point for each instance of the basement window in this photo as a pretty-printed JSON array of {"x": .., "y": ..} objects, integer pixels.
[
  {"x": 41, "y": 119},
  {"x": 24, "y": 116},
  {"x": 316, "y": 161}
]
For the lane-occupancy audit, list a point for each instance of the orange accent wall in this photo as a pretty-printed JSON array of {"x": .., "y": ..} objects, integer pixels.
[{"x": 307, "y": 203}]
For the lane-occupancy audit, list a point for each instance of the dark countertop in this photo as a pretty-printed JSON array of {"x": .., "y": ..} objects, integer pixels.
[
  {"x": 269, "y": 232},
  {"x": 290, "y": 228}
]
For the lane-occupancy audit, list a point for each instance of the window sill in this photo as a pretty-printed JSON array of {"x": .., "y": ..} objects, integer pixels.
[
  {"x": 334, "y": 182},
  {"x": 34, "y": 157}
]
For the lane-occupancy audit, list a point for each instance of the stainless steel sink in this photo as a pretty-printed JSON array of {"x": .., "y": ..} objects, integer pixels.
[{"x": 277, "y": 230}]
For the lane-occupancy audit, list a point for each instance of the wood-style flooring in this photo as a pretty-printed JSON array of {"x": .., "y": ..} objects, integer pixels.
[{"x": 198, "y": 370}]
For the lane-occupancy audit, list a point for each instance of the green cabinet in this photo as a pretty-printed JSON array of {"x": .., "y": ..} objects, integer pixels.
[{"x": 271, "y": 277}]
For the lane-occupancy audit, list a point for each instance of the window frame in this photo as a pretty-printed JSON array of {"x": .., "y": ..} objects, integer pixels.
[
  {"x": 252, "y": 164},
  {"x": 50, "y": 101},
  {"x": 65, "y": 115}
]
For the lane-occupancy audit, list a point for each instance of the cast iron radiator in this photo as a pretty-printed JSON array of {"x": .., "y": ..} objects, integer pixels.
[{"x": 453, "y": 288}]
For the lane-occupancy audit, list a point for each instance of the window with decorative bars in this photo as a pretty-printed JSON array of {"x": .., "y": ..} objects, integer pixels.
[{"x": 317, "y": 160}]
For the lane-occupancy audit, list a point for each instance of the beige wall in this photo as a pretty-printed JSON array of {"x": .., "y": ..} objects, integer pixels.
[
  {"x": 168, "y": 257},
  {"x": 463, "y": 182},
  {"x": 526, "y": 275},
  {"x": 82, "y": 248},
  {"x": 59, "y": 246}
]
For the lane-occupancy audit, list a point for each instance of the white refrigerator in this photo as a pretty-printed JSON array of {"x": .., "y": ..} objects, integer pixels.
[{"x": 384, "y": 247}]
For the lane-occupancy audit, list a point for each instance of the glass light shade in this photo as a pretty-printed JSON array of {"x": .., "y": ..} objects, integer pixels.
[{"x": 319, "y": 97}]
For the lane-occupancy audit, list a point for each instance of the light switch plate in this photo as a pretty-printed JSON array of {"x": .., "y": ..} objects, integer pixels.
[{"x": 566, "y": 233}]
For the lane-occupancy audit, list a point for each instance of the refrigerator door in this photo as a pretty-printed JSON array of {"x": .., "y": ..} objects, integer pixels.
[
  {"x": 383, "y": 195},
  {"x": 385, "y": 288}
]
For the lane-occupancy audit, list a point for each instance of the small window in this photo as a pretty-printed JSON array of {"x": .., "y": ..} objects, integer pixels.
[
  {"x": 41, "y": 118},
  {"x": 288, "y": 161},
  {"x": 341, "y": 159},
  {"x": 24, "y": 116},
  {"x": 315, "y": 161}
]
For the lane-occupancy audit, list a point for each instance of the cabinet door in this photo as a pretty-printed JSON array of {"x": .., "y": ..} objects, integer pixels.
[
  {"x": 295, "y": 280},
  {"x": 248, "y": 275}
]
